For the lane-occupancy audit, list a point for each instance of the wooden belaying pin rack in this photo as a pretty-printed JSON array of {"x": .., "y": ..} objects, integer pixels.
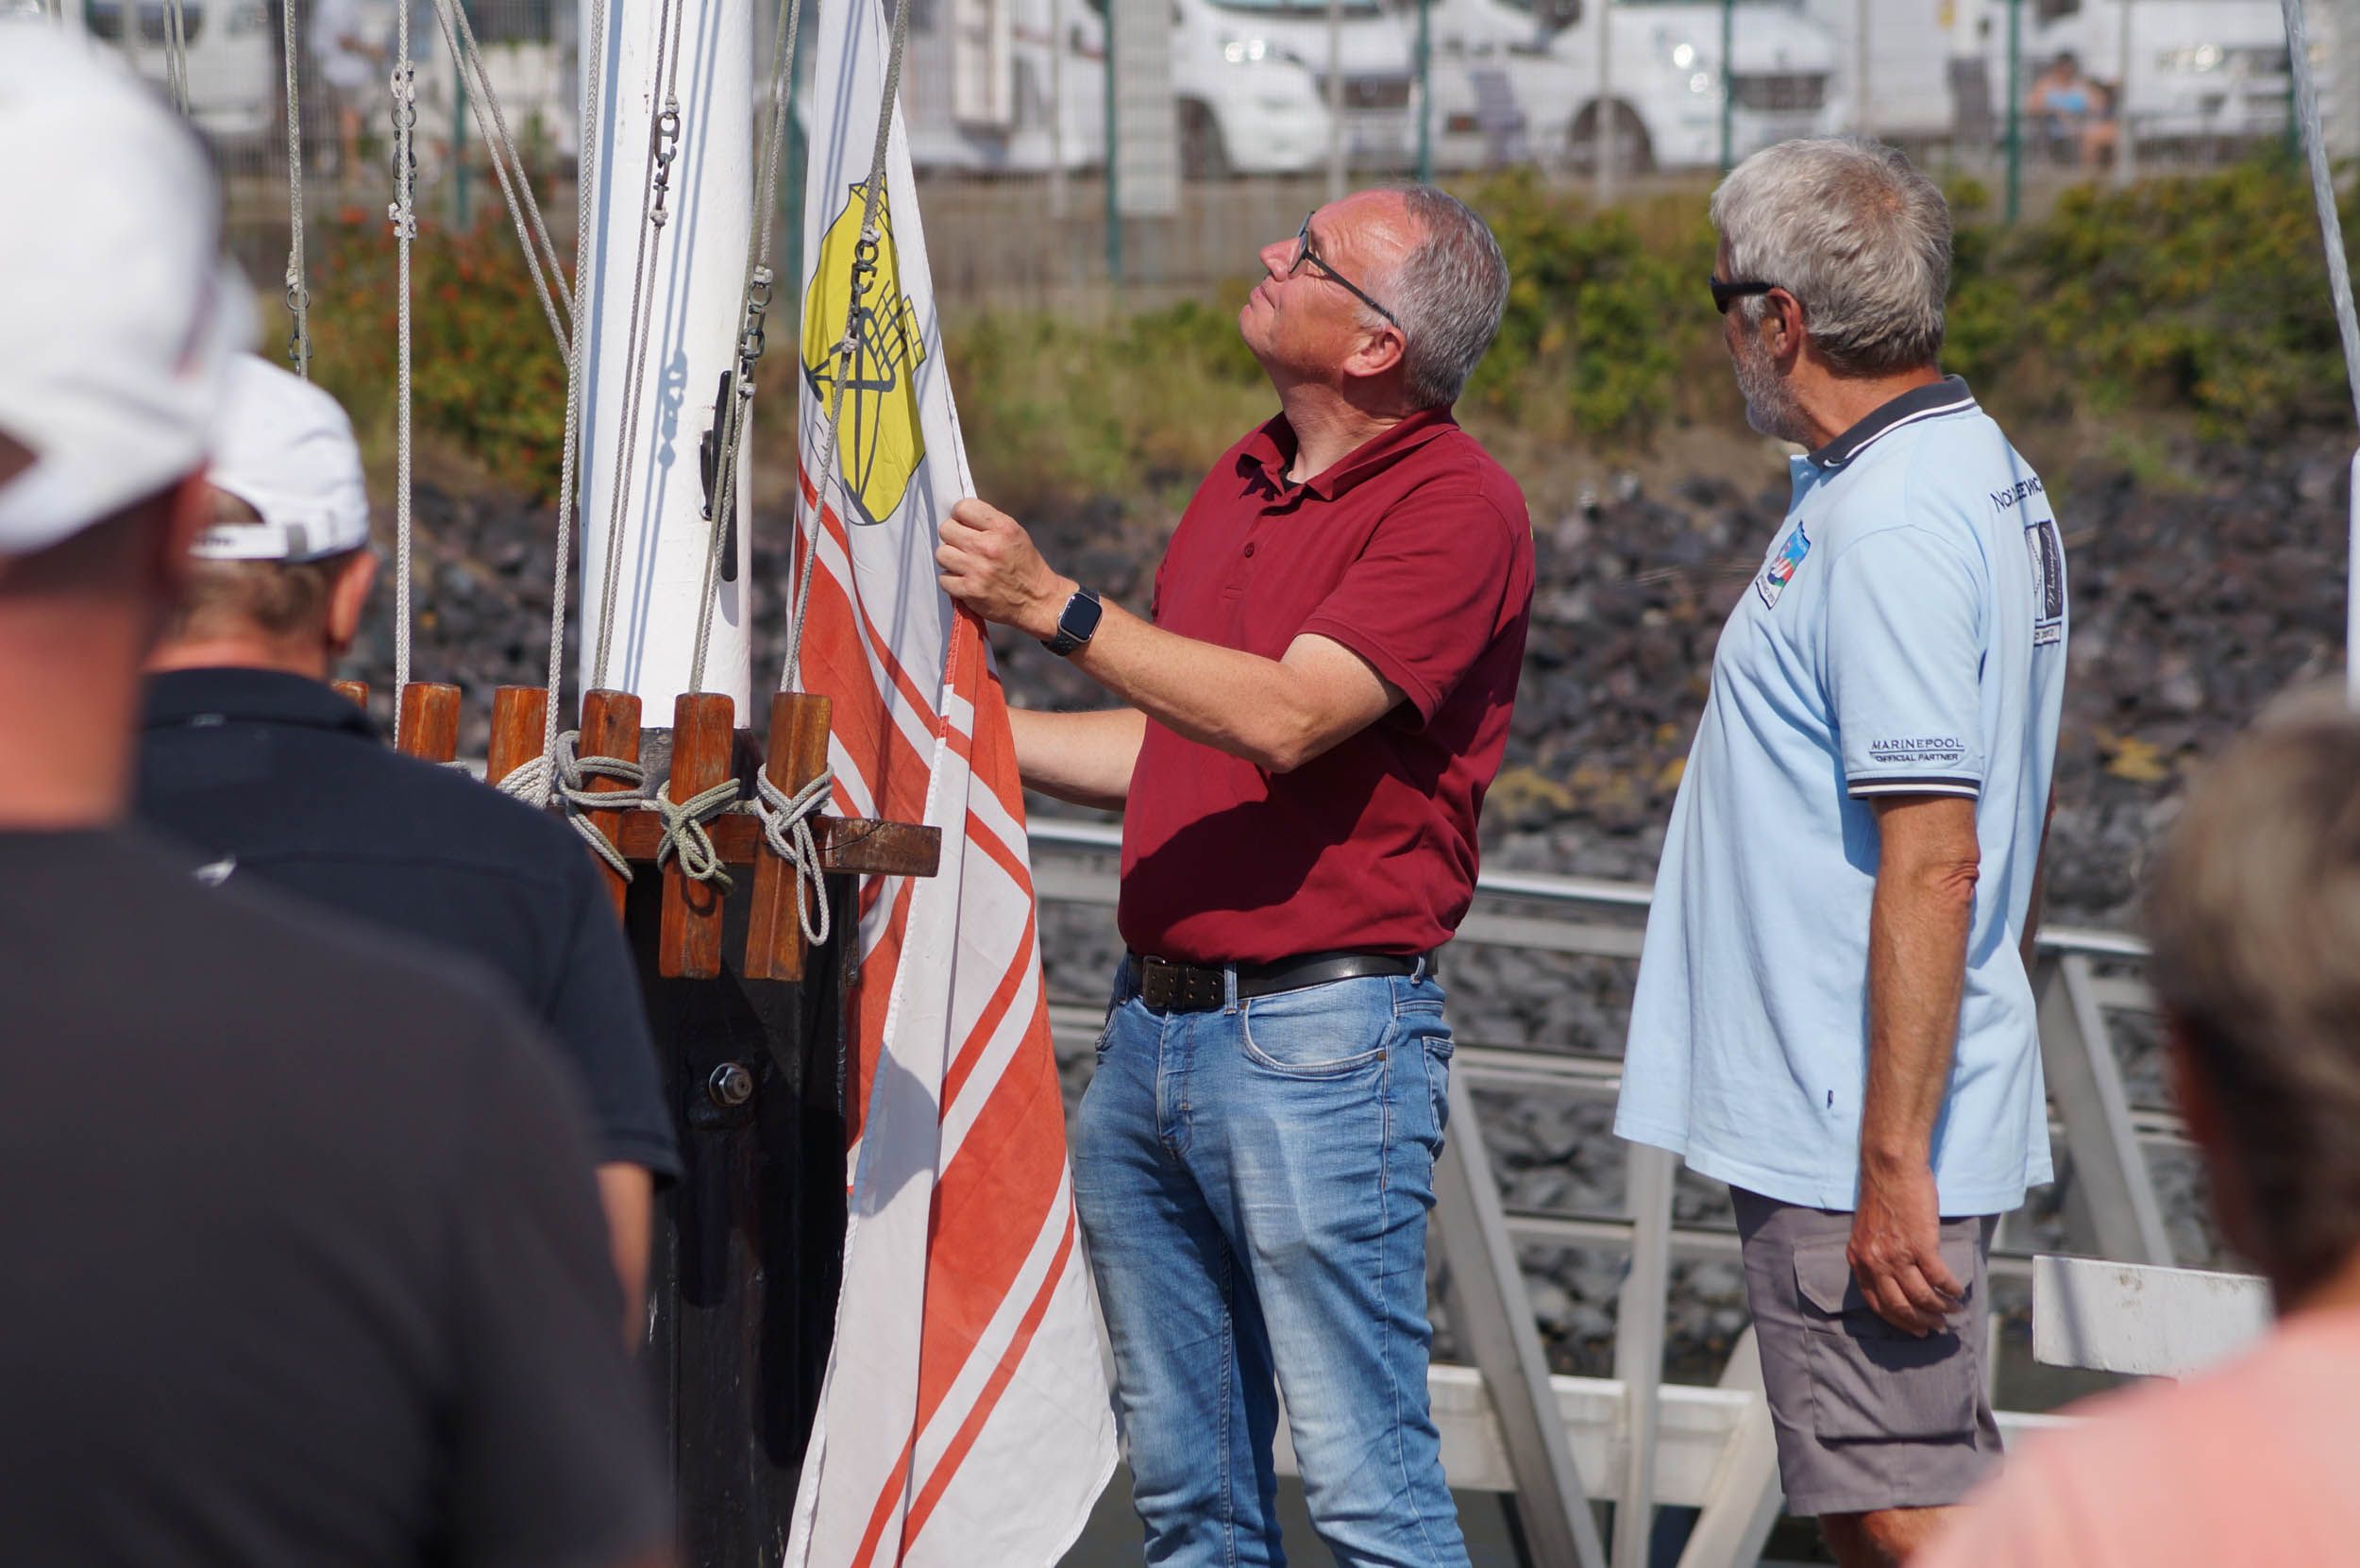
[{"x": 704, "y": 741}]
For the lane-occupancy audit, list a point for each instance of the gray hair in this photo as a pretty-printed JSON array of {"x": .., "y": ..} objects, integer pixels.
[
  {"x": 2254, "y": 913},
  {"x": 1857, "y": 236},
  {"x": 1448, "y": 293}
]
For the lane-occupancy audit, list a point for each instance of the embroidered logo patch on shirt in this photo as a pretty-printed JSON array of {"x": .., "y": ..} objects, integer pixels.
[
  {"x": 1775, "y": 576},
  {"x": 2040, "y": 542}
]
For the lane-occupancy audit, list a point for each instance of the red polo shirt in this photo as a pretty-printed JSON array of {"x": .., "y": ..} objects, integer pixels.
[{"x": 1416, "y": 553}]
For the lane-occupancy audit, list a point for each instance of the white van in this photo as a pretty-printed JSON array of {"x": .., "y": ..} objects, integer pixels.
[
  {"x": 988, "y": 79},
  {"x": 2201, "y": 70},
  {"x": 233, "y": 82},
  {"x": 1662, "y": 103},
  {"x": 1238, "y": 114}
]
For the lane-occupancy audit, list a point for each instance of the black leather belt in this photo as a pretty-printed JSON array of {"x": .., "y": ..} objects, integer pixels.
[{"x": 1169, "y": 988}]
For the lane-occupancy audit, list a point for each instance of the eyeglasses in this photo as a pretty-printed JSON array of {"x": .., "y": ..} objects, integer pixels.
[
  {"x": 1726, "y": 295},
  {"x": 1305, "y": 253}
]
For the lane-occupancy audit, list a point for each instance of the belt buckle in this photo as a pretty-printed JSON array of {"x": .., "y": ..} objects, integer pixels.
[{"x": 1169, "y": 988}]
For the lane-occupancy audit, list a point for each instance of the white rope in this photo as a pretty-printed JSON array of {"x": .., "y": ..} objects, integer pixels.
[
  {"x": 507, "y": 141},
  {"x": 865, "y": 263},
  {"x": 786, "y": 824},
  {"x": 175, "y": 52},
  {"x": 593, "y": 55},
  {"x": 737, "y": 413},
  {"x": 559, "y": 772},
  {"x": 684, "y": 831},
  {"x": 404, "y": 215},
  {"x": 2324, "y": 195},
  {"x": 663, "y": 146},
  {"x": 476, "y": 87},
  {"x": 2340, "y": 288},
  {"x": 299, "y": 289}
]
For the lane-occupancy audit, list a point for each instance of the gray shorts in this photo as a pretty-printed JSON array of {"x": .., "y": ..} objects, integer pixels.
[{"x": 1868, "y": 1416}]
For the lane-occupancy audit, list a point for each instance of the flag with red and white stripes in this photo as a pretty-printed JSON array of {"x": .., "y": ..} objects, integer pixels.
[{"x": 966, "y": 1419}]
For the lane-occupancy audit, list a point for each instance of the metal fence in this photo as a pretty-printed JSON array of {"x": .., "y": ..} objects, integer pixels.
[{"x": 1259, "y": 109}]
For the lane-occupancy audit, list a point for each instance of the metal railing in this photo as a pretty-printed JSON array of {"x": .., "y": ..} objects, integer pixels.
[{"x": 1705, "y": 1448}]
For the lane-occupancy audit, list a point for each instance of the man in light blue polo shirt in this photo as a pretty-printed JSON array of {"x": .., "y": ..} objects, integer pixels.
[{"x": 1833, "y": 1013}]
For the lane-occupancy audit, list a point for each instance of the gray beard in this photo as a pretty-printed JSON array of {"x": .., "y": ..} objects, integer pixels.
[{"x": 1770, "y": 406}]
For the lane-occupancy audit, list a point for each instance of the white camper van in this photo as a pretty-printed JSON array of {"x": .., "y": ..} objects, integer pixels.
[
  {"x": 2202, "y": 71},
  {"x": 232, "y": 77},
  {"x": 1238, "y": 114},
  {"x": 1018, "y": 86},
  {"x": 1662, "y": 98}
]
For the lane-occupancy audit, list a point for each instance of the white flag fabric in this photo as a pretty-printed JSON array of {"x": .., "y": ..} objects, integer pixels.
[{"x": 965, "y": 1421}]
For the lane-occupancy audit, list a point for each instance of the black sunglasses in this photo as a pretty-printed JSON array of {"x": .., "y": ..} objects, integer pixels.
[
  {"x": 1726, "y": 295},
  {"x": 1305, "y": 253}
]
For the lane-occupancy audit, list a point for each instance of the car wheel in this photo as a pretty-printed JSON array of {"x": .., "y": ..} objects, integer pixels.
[
  {"x": 1633, "y": 152},
  {"x": 1202, "y": 154}
]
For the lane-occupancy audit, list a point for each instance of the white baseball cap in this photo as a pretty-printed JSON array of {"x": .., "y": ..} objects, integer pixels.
[
  {"x": 285, "y": 448},
  {"x": 116, "y": 311}
]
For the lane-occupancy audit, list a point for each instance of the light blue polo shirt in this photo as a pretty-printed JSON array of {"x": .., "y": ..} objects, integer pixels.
[{"x": 1906, "y": 634}]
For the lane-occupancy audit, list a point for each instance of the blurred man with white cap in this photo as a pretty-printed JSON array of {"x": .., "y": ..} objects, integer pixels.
[
  {"x": 302, "y": 1267},
  {"x": 252, "y": 761}
]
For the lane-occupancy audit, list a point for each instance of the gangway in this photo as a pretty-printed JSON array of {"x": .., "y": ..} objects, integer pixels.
[{"x": 1555, "y": 1443}]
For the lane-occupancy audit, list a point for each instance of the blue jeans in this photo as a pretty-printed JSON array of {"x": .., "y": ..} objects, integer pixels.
[{"x": 1253, "y": 1183}]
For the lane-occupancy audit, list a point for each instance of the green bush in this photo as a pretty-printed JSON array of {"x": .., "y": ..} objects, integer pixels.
[
  {"x": 2201, "y": 297},
  {"x": 2205, "y": 295},
  {"x": 1135, "y": 409},
  {"x": 485, "y": 374},
  {"x": 1601, "y": 317}
]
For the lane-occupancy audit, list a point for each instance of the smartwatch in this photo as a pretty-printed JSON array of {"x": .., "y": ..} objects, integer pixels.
[{"x": 1077, "y": 623}]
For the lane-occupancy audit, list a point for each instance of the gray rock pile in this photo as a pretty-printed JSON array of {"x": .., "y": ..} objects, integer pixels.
[{"x": 2197, "y": 594}]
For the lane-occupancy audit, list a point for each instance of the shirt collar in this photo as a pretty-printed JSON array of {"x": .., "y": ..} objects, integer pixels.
[
  {"x": 1270, "y": 450},
  {"x": 1946, "y": 395},
  {"x": 230, "y": 693}
]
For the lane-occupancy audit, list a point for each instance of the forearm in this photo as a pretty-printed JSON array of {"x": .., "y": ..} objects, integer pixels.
[
  {"x": 1233, "y": 701},
  {"x": 1917, "y": 932},
  {"x": 628, "y": 1194},
  {"x": 1082, "y": 759}
]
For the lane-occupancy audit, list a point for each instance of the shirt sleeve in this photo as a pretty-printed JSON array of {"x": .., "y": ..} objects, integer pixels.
[
  {"x": 554, "y": 1455},
  {"x": 1905, "y": 640},
  {"x": 1425, "y": 598},
  {"x": 598, "y": 1014}
]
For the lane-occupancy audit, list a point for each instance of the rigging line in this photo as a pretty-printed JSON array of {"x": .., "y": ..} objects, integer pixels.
[
  {"x": 734, "y": 419},
  {"x": 474, "y": 86},
  {"x": 299, "y": 289},
  {"x": 2340, "y": 288},
  {"x": 663, "y": 146},
  {"x": 402, "y": 210},
  {"x": 592, "y": 55},
  {"x": 506, "y": 142},
  {"x": 2324, "y": 195},
  {"x": 871, "y": 198},
  {"x": 175, "y": 52}
]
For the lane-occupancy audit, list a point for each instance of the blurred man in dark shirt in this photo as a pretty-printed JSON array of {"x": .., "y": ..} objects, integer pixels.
[
  {"x": 303, "y": 1267},
  {"x": 251, "y": 760}
]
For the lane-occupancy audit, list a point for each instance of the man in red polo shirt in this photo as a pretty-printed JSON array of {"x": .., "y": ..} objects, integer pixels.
[{"x": 1310, "y": 722}]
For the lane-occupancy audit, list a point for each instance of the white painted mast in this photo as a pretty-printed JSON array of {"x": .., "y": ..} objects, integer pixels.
[{"x": 693, "y": 275}]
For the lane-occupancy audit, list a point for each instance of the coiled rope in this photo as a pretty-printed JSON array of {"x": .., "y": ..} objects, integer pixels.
[
  {"x": 786, "y": 824},
  {"x": 560, "y": 772}
]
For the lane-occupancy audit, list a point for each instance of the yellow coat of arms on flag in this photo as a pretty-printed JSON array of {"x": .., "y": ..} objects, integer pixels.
[{"x": 879, "y": 442}]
